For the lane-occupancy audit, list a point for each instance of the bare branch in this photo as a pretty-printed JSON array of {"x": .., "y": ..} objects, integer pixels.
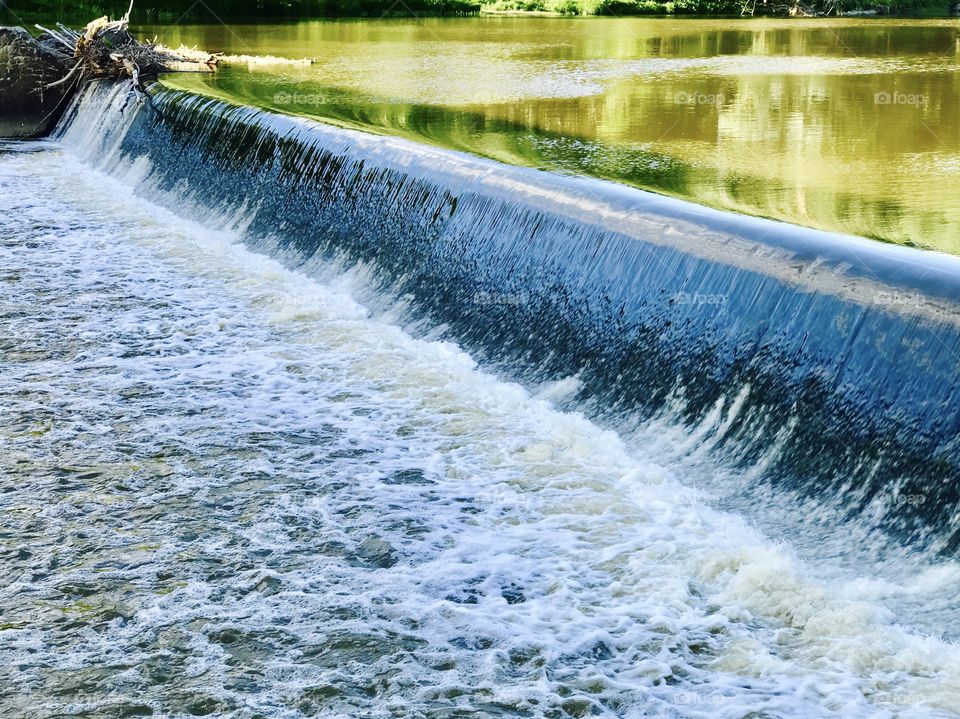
[
  {"x": 58, "y": 37},
  {"x": 67, "y": 77}
]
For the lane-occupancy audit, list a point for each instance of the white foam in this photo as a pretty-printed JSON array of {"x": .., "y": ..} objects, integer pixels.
[{"x": 630, "y": 594}]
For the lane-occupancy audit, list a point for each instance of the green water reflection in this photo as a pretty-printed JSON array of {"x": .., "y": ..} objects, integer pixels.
[{"x": 846, "y": 125}]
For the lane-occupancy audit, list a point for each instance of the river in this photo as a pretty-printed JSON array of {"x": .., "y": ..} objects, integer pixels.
[
  {"x": 303, "y": 421},
  {"x": 847, "y": 125}
]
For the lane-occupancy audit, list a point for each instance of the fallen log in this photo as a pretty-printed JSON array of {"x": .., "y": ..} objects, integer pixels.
[
  {"x": 39, "y": 75},
  {"x": 107, "y": 49}
]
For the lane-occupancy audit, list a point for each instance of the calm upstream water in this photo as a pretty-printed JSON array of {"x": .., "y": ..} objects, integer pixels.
[{"x": 846, "y": 125}]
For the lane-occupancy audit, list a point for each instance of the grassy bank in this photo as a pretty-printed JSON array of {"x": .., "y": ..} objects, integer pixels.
[
  {"x": 904, "y": 8},
  {"x": 150, "y": 11},
  {"x": 176, "y": 10}
]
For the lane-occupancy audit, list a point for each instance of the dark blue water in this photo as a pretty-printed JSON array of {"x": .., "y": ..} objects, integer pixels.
[{"x": 842, "y": 353}]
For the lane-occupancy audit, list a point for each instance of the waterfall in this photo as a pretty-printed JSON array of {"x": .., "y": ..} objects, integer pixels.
[{"x": 840, "y": 353}]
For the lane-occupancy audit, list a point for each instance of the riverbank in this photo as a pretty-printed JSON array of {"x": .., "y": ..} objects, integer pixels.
[
  {"x": 21, "y": 11},
  {"x": 725, "y": 8}
]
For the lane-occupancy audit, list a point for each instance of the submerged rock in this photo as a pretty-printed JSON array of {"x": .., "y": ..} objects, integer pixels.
[
  {"x": 28, "y": 107},
  {"x": 374, "y": 553}
]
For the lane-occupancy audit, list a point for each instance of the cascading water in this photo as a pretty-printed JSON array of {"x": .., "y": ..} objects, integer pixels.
[
  {"x": 840, "y": 352},
  {"x": 245, "y": 490}
]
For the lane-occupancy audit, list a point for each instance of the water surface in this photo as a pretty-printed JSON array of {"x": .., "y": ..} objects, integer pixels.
[
  {"x": 844, "y": 125},
  {"x": 232, "y": 490}
]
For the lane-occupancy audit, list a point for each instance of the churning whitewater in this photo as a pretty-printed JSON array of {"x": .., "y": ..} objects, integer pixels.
[
  {"x": 231, "y": 489},
  {"x": 824, "y": 367}
]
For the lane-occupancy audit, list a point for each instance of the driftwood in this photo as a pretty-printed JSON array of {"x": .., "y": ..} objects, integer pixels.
[
  {"x": 801, "y": 9},
  {"x": 783, "y": 8},
  {"x": 39, "y": 75},
  {"x": 106, "y": 49}
]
